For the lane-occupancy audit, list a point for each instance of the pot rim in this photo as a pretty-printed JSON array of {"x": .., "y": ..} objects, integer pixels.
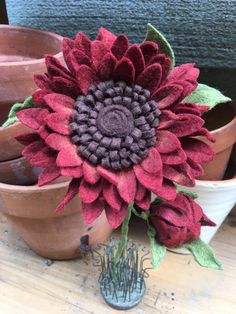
[
  {"x": 5, "y": 162},
  {"x": 33, "y": 30},
  {"x": 223, "y": 183},
  {"x": 32, "y": 188},
  {"x": 226, "y": 126}
]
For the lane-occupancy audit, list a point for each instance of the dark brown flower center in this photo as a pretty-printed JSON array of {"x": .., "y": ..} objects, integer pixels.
[{"x": 114, "y": 124}]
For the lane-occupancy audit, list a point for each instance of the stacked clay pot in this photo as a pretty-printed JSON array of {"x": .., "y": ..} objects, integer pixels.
[{"x": 22, "y": 53}]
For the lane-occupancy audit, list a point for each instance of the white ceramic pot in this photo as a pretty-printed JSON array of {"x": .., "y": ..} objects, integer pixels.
[{"x": 216, "y": 198}]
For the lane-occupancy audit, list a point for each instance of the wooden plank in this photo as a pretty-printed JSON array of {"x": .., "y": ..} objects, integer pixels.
[{"x": 29, "y": 285}]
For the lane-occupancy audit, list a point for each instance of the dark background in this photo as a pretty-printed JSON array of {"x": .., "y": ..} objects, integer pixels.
[{"x": 199, "y": 31}]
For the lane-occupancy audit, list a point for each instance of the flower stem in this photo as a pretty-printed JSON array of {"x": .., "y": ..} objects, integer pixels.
[{"x": 124, "y": 235}]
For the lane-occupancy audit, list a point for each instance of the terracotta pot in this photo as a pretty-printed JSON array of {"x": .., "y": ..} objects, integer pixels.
[
  {"x": 9, "y": 147},
  {"x": 22, "y": 53},
  {"x": 222, "y": 121},
  {"x": 30, "y": 210},
  {"x": 18, "y": 171}
]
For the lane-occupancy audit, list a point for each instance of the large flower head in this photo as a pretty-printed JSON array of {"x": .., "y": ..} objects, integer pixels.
[{"x": 115, "y": 121}]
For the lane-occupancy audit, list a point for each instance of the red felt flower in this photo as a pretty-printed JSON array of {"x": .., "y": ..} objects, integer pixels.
[
  {"x": 178, "y": 222},
  {"x": 114, "y": 120}
]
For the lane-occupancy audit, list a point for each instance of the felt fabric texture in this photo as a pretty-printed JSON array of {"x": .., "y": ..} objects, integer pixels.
[
  {"x": 28, "y": 103},
  {"x": 112, "y": 134},
  {"x": 178, "y": 222},
  {"x": 203, "y": 254},
  {"x": 164, "y": 47},
  {"x": 115, "y": 122},
  {"x": 207, "y": 96}
]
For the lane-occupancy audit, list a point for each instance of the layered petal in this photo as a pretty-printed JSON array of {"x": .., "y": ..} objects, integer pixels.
[{"x": 71, "y": 193}]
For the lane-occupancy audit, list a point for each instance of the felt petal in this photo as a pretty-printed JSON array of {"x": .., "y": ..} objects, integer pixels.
[
  {"x": 55, "y": 68},
  {"x": 73, "y": 172},
  {"x": 86, "y": 77},
  {"x": 33, "y": 117},
  {"x": 67, "y": 46},
  {"x": 205, "y": 221},
  {"x": 43, "y": 132},
  {"x": 150, "y": 181},
  {"x": 150, "y": 77},
  {"x": 174, "y": 158},
  {"x": 197, "y": 150},
  {"x": 91, "y": 174},
  {"x": 89, "y": 192},
  {"x": 107, "y": 66},
  {"x": 66, "y": 87},
  {"x": 30, "y": 150},
  {"x": 58, "y": 141},
  {"x": 60, "y": 103},
  {"x": 127, "y": 185},
  {"x": 114, "y": 218},
  {"x": 48, "y": 175},
  {"x": 45, "y": 158},
  {"x": 173, "y": 217},
  {"x": 167, "y": 95},
  {"x": 196, "y": 168},
  {"x": 119, "y": 47},
  {"x": 169, "y": 235},
  {"x": 189, "y": 107},
  {"x": 164, "y": 62},
  {"x": 38, "y": 98},
  {"x": 149, "y": 49},
  {"x": 180, "y": 174},
  {"x": 27, "y": 138},
  {"x": 92, "y": 211},
  {"x": 152, "y": 163},
  {"x": 124, "y": 71},
  {"x": 112, "y": 196},
  {"x": 58, "y": 123},
  {"x": 99, "y": 50},
  {"x": 43, "y": 82},
  {"x": 167, "y": 142},
  {"x": 167, "y": 191},
  {"x": 178, "y": 127},
  {"x": 68, "y": 157},
  {"x": 75, "y": 58},
  {"x": 109, "y": 175},
  {"x": 134, "y": 54},
  {"x": 201, "y": 108},
  {"x": 184, "y": 72},
  {"x": 145, "y": 202},
  {"x": 72, "y": 191},
  {"x": 106, "y": 37},
  {"x": 140, "y": 193},
  {"x": 188, "y": 87},
  {"x": 206, "y": 133},
  {"x": 83, "y": 43}
]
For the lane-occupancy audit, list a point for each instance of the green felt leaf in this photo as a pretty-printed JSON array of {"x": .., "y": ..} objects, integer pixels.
[
  {"x": 158, "y": 251},
  {"x": 203, "y": 254},
  {"x": 187, "y": 192},
  {"x": 164, "y": 47},
  {"x": 15, "y": 108},
  {"x": 206, "y": 95}
]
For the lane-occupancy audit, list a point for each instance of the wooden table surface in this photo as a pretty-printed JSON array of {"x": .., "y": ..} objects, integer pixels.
[{"x": 30, "y": 284}]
